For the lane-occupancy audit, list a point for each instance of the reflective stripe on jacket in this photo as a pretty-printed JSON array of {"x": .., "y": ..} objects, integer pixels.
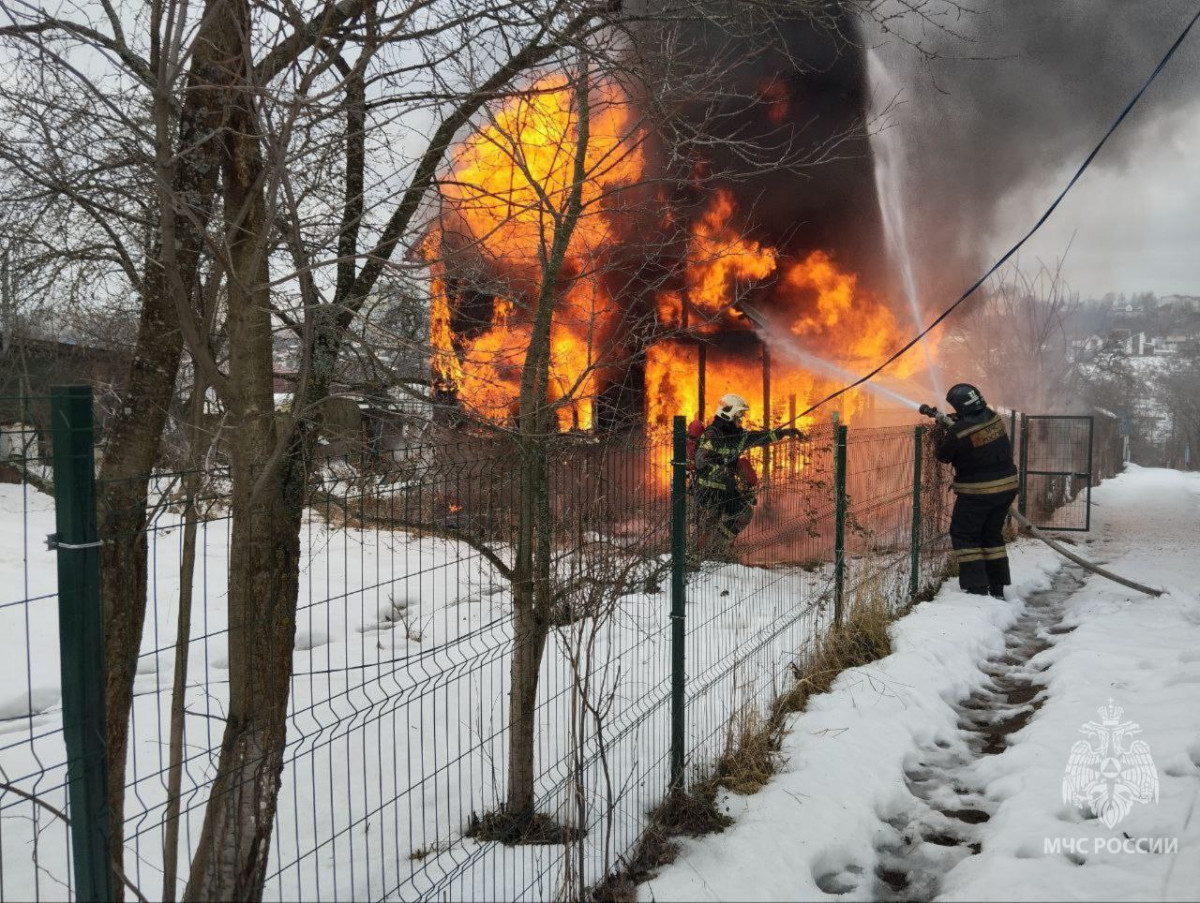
[
  {"x": 720, "y": 447},
  {"x": 978, "y": 447}
]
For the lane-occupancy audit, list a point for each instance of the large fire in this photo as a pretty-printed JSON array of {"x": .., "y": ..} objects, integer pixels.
[{"x": 508, "y": 186}]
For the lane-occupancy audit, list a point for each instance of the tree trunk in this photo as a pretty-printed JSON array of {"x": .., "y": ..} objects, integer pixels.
[
  {"x": 535, "y": 424},
  {"x": 136, "y": 430},
  {"x": 530, "y": 628},
  {"x": 197, "y": 450},
  {"x": 187, "y": 570},
  {"x": 529, "y": 642},
  {"x": 231, "y": 858}
]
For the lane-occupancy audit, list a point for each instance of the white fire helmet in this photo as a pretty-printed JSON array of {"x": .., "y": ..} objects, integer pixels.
[{"x": 732, "y": 407}]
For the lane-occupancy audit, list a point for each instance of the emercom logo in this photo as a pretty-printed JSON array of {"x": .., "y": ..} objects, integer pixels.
[{"x": 1110, "y": 771}]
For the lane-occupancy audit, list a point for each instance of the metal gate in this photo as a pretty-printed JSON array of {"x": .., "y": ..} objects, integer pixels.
[{"x": 1055, "y": 454}]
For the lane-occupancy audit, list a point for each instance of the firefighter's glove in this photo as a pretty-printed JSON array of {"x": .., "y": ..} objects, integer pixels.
[{"x": 790, "y": 433}]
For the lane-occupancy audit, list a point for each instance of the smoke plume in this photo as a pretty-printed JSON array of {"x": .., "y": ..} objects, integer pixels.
[{"x": 1006, "y": 99}]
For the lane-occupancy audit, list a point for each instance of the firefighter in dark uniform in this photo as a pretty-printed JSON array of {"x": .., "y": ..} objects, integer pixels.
[
  {"x": 724, "y": 500},
  {"x": 985, "y": 479}
]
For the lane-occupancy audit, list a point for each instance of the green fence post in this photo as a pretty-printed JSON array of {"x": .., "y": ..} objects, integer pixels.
[
  {"x": 914, "y": 576},
  {"x": 678, "y": 596},
  {"x": 1091, "y": 475},
  {"x": 81, "y": 639},
  {"x": 1024, "y": 465},
  {"x": 839, "y": 516}
]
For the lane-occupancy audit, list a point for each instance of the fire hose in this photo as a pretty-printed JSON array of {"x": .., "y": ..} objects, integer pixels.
[
  {"x": 942, "y": 418},
  {"x": 1082, "y": 562}
]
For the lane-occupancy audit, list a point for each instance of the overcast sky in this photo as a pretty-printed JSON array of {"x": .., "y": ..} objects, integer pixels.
[{"x": 1130, "y": 229}]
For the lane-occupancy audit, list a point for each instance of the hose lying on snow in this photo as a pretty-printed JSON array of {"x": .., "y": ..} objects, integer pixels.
[{"x": 1083, "y": 563}]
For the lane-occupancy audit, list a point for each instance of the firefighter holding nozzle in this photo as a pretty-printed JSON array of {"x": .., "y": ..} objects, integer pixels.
[
  {"x": 975, "y": 442},
  {"x": 723, "y": 480}
]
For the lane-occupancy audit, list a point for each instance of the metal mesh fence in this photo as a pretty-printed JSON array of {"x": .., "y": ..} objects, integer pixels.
[
  {"x": 1056, "y": 470},
  {"x": 398, "y": 727},
  {"x": 35, "y": 858}
]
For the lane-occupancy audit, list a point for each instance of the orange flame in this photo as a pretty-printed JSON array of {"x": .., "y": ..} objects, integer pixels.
[
  {"x": 509, "y": 185},
  {"x": 860, "y": 327},
  {"x": 821, "y": 304},
  {"x": 721, "y": 261},
  {"x": 447, "y": 369}
]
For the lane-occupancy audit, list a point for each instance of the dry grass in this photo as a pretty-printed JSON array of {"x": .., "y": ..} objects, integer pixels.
[
  {"x": 860, "y": 639},
  {"x": 515, "y": 829},
  {"x": 693, "y": 813},
  {"x": 751, "y": 753}
]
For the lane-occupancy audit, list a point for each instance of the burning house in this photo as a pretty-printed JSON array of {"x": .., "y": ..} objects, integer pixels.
[{"x": 674, "y": 286}]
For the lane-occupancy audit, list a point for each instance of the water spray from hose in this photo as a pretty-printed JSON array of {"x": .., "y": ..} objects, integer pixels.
[{"x": 782, "y": 344}]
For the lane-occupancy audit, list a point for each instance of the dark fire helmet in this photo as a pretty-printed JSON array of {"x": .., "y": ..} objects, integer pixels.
[{"x": 965, "y": 399}]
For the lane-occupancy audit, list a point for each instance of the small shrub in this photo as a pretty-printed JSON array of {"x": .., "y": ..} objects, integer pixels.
[
  {"x": 516, "y": 828},
  {"x": 751, "y": 753},
  {"x": 859, "y": 640},
  {"x": 691, "y": 812}
]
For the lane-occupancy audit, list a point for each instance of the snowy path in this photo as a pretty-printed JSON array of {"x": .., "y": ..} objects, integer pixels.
[
  {"x": 948, "y": 820},
  {"x": 939, "y": 770}
]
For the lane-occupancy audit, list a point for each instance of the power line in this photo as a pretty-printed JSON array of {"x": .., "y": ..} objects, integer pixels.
[{"x": 1013, "y": 250}]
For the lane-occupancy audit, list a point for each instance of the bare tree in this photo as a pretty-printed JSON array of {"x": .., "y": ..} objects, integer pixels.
[
  {"x": 1176, "y": 388},
  {"x": 1015, "y": 342},
  {"x": 252, "y": 160}
]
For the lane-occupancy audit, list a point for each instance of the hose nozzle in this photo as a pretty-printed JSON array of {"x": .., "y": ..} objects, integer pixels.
[{"x": 930, "y": 411}]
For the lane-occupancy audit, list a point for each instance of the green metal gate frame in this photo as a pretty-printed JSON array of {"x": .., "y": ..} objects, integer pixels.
[{"x": 1086, "y": 476}]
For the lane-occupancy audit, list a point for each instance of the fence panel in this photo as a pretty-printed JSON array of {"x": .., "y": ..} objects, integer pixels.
[
  {"x": 398, "y": 718},
  {"x": 35, "y": 842},
  {"x": 1056, "y": 470},
  {"x": 396, "y": 770},
  {"x": 752, "y": 622}
]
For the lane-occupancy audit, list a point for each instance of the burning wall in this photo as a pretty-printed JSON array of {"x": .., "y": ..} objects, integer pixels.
[
  {"x": 660, "y": 272},
  {"x": 509, "y": 188}
]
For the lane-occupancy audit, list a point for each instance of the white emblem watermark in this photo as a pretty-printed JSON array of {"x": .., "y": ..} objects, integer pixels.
[
  {"x": 1105, "y": 775},
  {"x": 1110, "y": 771}
]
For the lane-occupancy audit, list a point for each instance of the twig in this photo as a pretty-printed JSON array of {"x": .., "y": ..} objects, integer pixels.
[{"x": 37, "y": 801}]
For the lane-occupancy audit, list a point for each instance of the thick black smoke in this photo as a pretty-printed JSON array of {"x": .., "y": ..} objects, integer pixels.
[
  {"x": 1011, "y": 95},
  {"x": 784, "y": 130}
]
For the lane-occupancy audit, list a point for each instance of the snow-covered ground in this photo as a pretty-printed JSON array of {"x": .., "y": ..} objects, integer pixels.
[
  {"x": 398, "y": 712},
  {"x": 939, "y": 771}
]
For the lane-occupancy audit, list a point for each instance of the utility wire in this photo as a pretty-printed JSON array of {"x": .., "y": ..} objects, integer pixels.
[{"x": 1013, "y": 250}]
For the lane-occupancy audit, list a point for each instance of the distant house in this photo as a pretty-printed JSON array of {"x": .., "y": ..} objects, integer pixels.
[
  {"x": 1179, "y": 344},
  {"x": 30, "y": 367},
  {"x": 365, "y": 418},
  {"x": 1128, "y": 342}
]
